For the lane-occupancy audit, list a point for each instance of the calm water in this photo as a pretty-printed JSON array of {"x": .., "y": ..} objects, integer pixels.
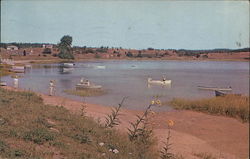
[{"x": 129, "y": 78}]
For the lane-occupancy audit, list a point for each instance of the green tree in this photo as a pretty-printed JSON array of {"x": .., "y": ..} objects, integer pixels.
[{"x": 65, "y": 51}]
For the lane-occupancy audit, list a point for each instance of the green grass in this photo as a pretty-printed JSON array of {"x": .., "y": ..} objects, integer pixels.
[
  {"x": 86, "y": 92},
  {"x": 31, "y": 129},
  {"x": 230, "y": 105}
]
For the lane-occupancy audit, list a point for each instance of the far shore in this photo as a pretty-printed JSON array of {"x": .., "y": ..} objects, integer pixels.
[{"x": 192, "y": 133}]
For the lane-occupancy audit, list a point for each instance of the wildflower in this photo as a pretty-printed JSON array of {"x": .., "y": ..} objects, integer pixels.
[
  {"x": 170, "y": 123},
  {"x": 110, "y": 150},
  {"x": 152, "y": 102},
  {"x": 158, "y": 102},
  {"x": 115, "y": 151},
  {"x": 130, "y": 153},
  {"x": 101, "y": 143}
]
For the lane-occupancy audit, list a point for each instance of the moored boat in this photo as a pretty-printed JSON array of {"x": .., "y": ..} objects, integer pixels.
[
  {"x": 2, "y": 83},
  {"x": 215, "y": 88},
  {"x": 18, "y": 69},
  {"x": 219, "y": 93}
]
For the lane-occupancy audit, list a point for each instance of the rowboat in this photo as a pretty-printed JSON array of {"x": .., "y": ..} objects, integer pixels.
[
  {"x": 219, "y": 93},
  {"x": 215, "y": 88},
  {"x": 18, "y": 69},
  {"x": 85, "y": 86},
  {"x": 2, "y": 83},
  {"x": 68, "y": 65},
  {"x": 162, "y": 82}
]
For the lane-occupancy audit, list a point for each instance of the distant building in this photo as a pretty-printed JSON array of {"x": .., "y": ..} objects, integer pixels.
[
  {"x": 48, "y": 46},
  {"x": 12, "y": 47}
]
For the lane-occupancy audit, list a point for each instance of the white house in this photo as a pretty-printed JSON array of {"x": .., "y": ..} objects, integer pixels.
[
  {"x": 48, "y": 46},
  {"x": 12, "y": 47}
]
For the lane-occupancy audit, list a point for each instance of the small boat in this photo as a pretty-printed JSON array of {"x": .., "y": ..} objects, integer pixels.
[
  {"x": 163, "y": 82},
  {"x": 18, "y": 69},
  {"x": 100, "y": 67},
  {"x": 215, "y": 88},
  {"x": 68, "y": 65},
  {"x": 2, "y": 83},
  {"x": 84, "y": 86},
  {"x": 219, "y": 93}
]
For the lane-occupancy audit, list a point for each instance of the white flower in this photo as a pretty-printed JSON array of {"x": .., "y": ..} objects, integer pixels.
[
  {"x": 115, "y": 151},
  {"x": 130, "y": 153},
  {"x": 101, "y": 143},
  {"x": 110, "y": 150}
]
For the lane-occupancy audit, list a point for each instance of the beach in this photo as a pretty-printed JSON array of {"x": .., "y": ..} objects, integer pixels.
[{"x": 193, "y": 132}]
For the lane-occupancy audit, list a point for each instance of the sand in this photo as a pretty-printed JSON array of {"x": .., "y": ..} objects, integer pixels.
[{"x": 192, "y": 133}]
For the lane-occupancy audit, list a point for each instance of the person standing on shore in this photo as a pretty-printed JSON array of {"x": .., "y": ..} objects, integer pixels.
[{"x": 51, "y": 88}]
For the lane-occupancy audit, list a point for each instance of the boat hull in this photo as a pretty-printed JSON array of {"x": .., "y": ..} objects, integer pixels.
[
  {"x": 166, "y": 82},
  {"x": 83, "y": 86},
  {"x": 215, "y": 88}
]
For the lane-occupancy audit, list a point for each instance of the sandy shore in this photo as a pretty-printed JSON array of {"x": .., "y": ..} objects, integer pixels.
[{"x": 192, "y": 133}]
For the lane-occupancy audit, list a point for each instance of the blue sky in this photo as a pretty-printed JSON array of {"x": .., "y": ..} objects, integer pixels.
[{"x": 129, "y": 24}]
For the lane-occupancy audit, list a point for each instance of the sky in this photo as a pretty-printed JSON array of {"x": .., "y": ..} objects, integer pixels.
[{"x": 135, "y": 24}]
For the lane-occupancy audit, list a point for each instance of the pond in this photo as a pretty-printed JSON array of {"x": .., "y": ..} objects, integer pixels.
[{"x": 125, "y": 78}]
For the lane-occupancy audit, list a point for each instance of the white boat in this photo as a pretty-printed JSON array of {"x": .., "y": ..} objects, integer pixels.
[
  {"x": 2, "y": 83},
  {"x": 101, "y": 67},
  {"x": 18, "y": 69},
  {"x": 215, "y": 88},
  {"x": 68, "y": 65},
  {"x": 162, "y": 82},
  {"x": 85, "y": 86}
]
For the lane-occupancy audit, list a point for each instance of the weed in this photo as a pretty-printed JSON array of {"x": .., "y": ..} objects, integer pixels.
[{"x": 112, "y": 119}]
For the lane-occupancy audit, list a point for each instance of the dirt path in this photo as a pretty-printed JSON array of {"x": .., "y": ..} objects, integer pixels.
[{"x": 192, "y": 133}]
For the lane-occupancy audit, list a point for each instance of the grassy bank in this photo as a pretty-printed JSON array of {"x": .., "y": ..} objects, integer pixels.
[
  {"x": 229, "y": 105},
  {"x": 30, "y": 129},
  {"x": 4, "y": 70},
  {"x": 86, "y": 92}
]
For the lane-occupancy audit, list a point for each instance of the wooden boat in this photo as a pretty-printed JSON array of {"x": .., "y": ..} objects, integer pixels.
[
  {"x": 215, "y": 88},
  {"x": 219, "y": 93},
  {"x": 162, "y": 82}
]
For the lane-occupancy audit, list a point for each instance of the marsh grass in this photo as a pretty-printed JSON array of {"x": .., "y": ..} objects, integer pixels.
[
  {"x": 230, "y": 105},
  {"x": 86, "y": 92},
  {"x": 4, "y": 70},
  {"x": 31, "y": 129}
]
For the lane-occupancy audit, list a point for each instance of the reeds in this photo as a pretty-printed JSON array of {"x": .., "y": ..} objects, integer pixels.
[{"x": 235, "y": 106}]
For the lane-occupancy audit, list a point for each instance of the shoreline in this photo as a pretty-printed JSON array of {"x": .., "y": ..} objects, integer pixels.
[{"x": 193, "y": 132}]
